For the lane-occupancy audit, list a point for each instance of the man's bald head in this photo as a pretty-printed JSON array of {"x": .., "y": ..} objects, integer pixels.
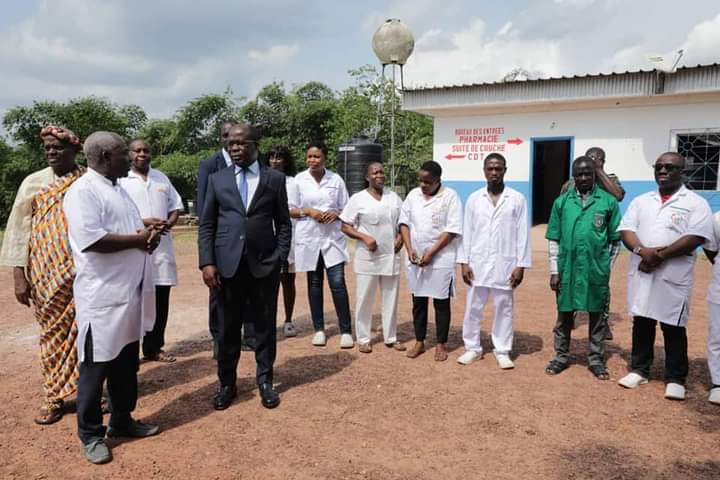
[
  {"x": 100, "y": 142},
  {"x": 107, "y": 154},
  {"x": 674, "y": 157}
]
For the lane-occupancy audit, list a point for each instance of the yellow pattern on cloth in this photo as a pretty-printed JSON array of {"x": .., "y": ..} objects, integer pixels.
[{"x": 51, "y": 273}]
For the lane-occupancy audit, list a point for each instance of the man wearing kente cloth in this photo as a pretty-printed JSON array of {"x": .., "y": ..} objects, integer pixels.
[
  {"x": 36, "y": 246},
  {"x": 581, "y": 234}
]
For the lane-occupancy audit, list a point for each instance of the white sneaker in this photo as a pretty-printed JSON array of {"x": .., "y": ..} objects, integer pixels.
[
  {"x": 503, "y": 361},
  {"x": 319, "y": 339},
  {"x": 346, "y": 341},
  {"x": 468, "y": 357},
  {"x": 714, "y": 396},
  {"x": 675, "y": 391},
  {"x": 632, "y": 380}
]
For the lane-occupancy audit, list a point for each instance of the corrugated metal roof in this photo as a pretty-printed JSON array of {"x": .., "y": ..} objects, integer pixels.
[{"x": 640, "y": 83}]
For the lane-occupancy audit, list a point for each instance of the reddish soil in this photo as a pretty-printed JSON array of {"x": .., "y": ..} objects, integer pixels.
[{"x": 380, "y": 416}]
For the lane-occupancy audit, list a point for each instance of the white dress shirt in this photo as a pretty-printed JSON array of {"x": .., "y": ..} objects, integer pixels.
[
  {"x": 156, "y": 198},
  {"x": 226, "y": 156},
  {"x": 379, "y": 219},
  {"x": 664, "y": 294},
  {"x": 495, "y": 237},
  {"x": 313, "y": 238},
  {"x": 114, "y": 292},
  {"x": 252, "y": 175}
]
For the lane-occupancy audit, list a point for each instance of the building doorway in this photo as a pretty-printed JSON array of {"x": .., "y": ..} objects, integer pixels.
[{"x": 551, "y": 159}]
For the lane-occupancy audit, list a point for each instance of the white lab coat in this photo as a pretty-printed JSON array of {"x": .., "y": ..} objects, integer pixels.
[
  {"x": 379, "y": 219},
  {"x": 313, "y": 238},
  {"x": 495, "y": 237},
  {"x": 664, "y": 294},
  {"x": 713, "y": 297},
  {"x": 291, "y": 189},
  {"x": 156, "y": 198},
  {"x": 114, "y": 292},
  {"x": 427, "y": 219}
]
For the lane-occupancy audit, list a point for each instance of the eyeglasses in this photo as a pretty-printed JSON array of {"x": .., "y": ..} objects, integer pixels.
[{"x": 667, "y": 166}]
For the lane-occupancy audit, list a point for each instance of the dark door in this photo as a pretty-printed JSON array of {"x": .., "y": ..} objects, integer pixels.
[{"x": 551, "y": 169}]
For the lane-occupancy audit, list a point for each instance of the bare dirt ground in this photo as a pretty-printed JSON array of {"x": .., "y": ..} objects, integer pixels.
[{"x": 380, "y": 416}]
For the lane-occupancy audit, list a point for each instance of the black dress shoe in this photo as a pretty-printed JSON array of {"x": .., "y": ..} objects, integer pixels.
[
  {"x": 268, "y": 395},
  {"x": 224, "y": 397}
]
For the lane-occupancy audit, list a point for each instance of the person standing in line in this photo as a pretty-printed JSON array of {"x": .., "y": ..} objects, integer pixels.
[
  {"x": 430, "y": 220},
  {"x": 280, "y": 159},
  {"x": 580, "y": 233},
  {"x": 494, "y": 253},
  {"x": 713, "y": 296},
  {"x": 319, "y": 244},
  {"x": 371, "y": 216},
  {"x": 611, "y": 184},
  {"x": 662, "y": 229},
  {"x": 114, "y": 293},
  {"x": 160, "y": 206},
  {"x": 244, "y": 238},
  {"x": 36, "y": 246}
]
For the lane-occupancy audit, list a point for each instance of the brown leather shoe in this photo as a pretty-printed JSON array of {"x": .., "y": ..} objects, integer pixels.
[
  {"x": 397, "y": 346},
  {"x": 416, "y": 350},
  {"x": 50, "y": 413}
]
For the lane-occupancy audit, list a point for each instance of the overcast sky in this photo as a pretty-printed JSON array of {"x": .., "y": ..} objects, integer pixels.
[{"x": 161, "y": 53}]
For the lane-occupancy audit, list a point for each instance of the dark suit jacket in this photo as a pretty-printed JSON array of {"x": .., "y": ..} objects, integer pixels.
[
  {"x": 207, "y": 167},
  {"x": 228, "y": 233}
]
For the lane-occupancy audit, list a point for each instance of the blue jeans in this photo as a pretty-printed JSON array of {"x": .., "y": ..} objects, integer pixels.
[{"x": 338, "y": 289}]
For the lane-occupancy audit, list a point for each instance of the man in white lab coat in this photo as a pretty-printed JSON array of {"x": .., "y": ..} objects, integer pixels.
[
  {"x": 160, "y": 206},
  {"x": 713, "y": 296},
  {"x": 494, "y": 253},
  {"x": 662, "y": 229},
  {"x": 114, "y": 293}
]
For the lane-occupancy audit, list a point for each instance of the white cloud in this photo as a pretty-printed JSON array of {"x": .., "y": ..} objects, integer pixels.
[{"x": 274, "y": 54}]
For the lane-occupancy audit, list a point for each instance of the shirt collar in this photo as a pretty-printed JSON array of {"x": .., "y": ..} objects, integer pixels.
[
  {"x": 253, "y": 168},
  {"x": 134, "y": 174},
  {"x": 682, "y": 191}
]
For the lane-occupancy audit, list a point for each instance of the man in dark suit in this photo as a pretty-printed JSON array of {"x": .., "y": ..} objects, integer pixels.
[
  {"x": 221, "y": 159},
  {"x": 244, "y": 237}
]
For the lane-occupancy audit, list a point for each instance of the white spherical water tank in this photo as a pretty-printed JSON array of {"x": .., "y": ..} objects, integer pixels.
[{"x": 393, "y": 42}]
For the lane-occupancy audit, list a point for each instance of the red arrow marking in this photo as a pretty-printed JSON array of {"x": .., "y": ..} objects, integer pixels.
[
  {"x": 450, "y": 156},
  {"x": 515, "y": 141}
]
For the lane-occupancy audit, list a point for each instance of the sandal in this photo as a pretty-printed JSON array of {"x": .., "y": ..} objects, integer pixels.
[
  {"x": 555, "y": 367},
  {"x": 397, "y": 346},
  {"x": 365, "y": 348},
  {"x": 440, "y": 354},
  {"x": 599, "y": 371},
  {"x": 50, "y": 413},
  {"x": 416, "y": 350},
  {"x": 161, "y": 357}
]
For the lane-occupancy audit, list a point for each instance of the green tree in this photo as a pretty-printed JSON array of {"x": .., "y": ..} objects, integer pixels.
[{"x": 197, "y": 124}]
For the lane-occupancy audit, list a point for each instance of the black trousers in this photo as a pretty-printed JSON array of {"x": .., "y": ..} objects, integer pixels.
[
  {"x": 121, "y": 375},
  {"x": 597, "y": 330},
  {"x": 154, "y": 340},
  {"x": 643, "y": 346},
  {"x": 213, "y": 322},
  {"x": 442, "y": 318},
  {"x": 244, "y": 299}
]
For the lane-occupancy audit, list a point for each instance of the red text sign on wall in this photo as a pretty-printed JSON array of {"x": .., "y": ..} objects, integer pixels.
[{"x": 477, "y": 143}]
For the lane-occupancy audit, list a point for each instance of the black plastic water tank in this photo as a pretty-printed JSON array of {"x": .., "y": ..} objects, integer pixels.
[{"x": 353, "y": 158}]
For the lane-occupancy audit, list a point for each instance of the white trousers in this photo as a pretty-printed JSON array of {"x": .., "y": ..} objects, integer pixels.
[
  {"x": 366, "y": 287},
  {"x": 713, "y": 353},
  {"x": 502, "y": 328}
]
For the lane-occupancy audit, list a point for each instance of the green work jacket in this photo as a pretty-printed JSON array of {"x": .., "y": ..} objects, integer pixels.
[{"x": 584, "y": 235}]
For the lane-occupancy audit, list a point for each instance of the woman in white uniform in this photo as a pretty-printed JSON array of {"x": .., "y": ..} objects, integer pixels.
[
  {"x": 430, "y": 221},
  {"x": 279, "y": 158},
  {"x": 371, "y": 216},
  {"x": 319, "y": 244}
]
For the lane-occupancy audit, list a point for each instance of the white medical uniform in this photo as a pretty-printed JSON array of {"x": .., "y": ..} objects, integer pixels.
[
  {"x": 713, "y": 297},
  {"x": 427, "y": 218},
  {"x": 156, "y": 198},
  {"x": 495, "y": 241},
  {"x": 314, "y": 238},
  {"x": 381, "y": 268},
  {"x": 114, "y": 292},
  {"x": 664, "y": 294},
  {"x": 291, "y": 189}
]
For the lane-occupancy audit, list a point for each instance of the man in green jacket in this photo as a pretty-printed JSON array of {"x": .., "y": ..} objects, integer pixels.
[{"x": 581, "y": 234}]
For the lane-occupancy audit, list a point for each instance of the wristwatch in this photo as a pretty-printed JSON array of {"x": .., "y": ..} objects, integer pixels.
[{"x": 636, "y": 250}]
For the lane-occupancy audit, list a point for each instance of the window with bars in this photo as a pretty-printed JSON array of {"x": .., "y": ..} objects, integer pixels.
[{"x": 701, "y": 149}]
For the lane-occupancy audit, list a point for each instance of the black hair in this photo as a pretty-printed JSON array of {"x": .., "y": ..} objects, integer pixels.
[
  {"x": 281, "y": 151},
  {"x": 495, "y": 156},
  {"x": 319, "y": 145},
  {"x": 597, "y": 151},
  {"x": 433, "y": 168},
  {"x": 676, "y": 155},
  {"x": 579, "y": 160}
]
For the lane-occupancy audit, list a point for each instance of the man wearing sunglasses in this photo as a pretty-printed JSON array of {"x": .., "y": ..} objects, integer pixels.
[{"x": 663, "y": 228}]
